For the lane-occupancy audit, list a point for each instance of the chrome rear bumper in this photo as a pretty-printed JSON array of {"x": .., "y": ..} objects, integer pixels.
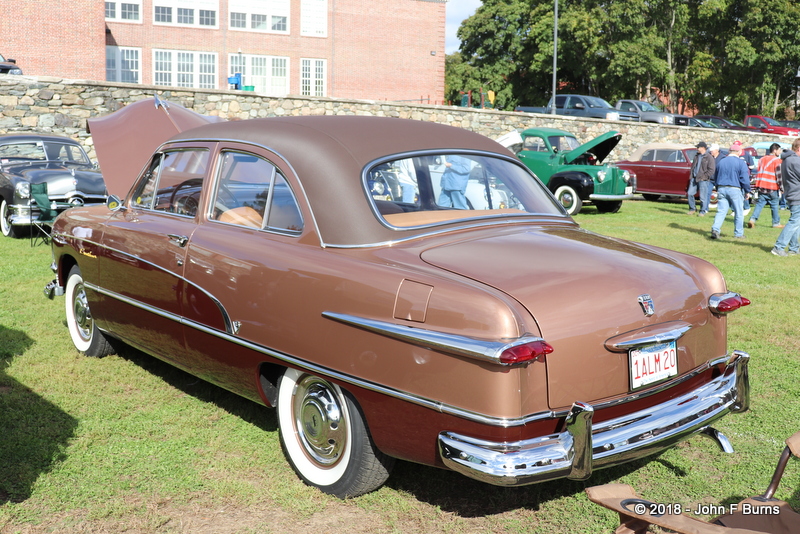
[{"x": 582, "y": 446}]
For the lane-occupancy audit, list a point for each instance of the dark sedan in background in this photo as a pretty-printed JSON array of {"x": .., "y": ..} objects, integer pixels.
[
  {"x": 60, "y": 162},
  {"x": 9, "y": 66}
]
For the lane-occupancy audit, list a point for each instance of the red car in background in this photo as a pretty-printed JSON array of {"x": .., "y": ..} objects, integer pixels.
[
  {"x": 769, "y": 125},
  {"x": 660, "y": 169}
]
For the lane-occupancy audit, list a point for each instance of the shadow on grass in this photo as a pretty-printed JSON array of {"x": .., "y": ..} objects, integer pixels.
[
  {"x": 35, "y": 432},
  {"x": 723, "y": 236},
  {"x": 455, "y": 493},
  {"x": 247, "y": 410}
]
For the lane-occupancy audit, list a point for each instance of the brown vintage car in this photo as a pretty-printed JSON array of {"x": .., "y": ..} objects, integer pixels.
[{"x": 321, "y": 266}]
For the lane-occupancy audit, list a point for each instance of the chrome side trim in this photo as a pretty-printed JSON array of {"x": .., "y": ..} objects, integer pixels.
[
  {"x": 610, "y": 197},
  {"x": 470, "y": 347},
  {"x": 229, "y": 329},
  {"x": 672, "y": 335},
  {"x": 625, "y": 438}
]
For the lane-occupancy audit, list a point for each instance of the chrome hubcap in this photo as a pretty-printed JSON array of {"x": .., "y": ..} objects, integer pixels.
[
  {"x": 83, "y": 317},
  {"x": 320, "y": 421},
  {"x": 567, "y": 200}
]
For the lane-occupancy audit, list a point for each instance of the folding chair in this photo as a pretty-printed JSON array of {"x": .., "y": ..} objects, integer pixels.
[
  {"x": 44, "y": 222},
  {"x": 762, "y": 514}
]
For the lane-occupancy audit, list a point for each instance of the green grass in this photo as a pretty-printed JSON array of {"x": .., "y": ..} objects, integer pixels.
[{"x": 130, "y": 444}]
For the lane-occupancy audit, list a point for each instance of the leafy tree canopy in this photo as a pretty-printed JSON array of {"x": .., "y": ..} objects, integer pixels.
[{"x": 721, "y": 57}]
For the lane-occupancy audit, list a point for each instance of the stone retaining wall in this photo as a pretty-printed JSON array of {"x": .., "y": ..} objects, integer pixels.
[{"x": 61, "y": 106}]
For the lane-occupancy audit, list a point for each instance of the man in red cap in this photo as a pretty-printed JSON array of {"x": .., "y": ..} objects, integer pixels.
[{"x": 733, "y": 187}]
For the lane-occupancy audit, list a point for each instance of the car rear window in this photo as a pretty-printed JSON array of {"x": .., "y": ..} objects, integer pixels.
[{"x": 441, "y": 188}]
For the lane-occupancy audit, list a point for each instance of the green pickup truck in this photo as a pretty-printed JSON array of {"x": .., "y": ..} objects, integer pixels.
[{"x": 574, "y": 173}]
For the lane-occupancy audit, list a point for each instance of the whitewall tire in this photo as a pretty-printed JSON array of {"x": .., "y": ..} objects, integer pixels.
[
  {"x": 325, "y": 437},
  {"x": 85, "y": 335}
]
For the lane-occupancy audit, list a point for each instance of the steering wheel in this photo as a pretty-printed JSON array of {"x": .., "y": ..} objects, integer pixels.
[{"x": 186, "y": 204}]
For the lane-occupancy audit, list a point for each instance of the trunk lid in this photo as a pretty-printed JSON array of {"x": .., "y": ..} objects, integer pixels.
[{"x": 583, "y": 289}]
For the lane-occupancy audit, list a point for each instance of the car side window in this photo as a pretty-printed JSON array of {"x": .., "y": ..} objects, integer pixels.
[
  {"x": 534, "y": 144},
  {"x": 173, "y": 182},
  {"x": 649, "y": 155},
  {"x": 250, "y": 190},
  {"x": 628, "y": 107}
]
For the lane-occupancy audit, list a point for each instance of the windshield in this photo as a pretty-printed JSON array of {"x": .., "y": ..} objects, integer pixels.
[
  {"x": 772, "y": 122},
  {"x": 442, "y": 188},
  {"x": 595, "y": 102},
  {"x": 37, "y": 151},
  {"x": 648, "y": 107},
  {"x": 563, "y": 143}
]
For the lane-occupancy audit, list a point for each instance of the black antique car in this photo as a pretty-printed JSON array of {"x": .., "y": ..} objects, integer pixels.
[{"x": 60, "y": 162}]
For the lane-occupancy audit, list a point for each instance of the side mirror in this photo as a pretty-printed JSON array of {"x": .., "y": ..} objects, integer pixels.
[
  {"x": 114, "y": 203},
  {"x": 580, "y": 105}
]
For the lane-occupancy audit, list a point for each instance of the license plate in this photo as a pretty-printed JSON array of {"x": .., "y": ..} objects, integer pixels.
[
  {"x": 629, "y": 190},
  {"x": 652, "y": 364}
]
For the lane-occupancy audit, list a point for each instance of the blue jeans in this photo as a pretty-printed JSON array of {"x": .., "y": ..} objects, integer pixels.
[
  {"x": 704, "y": 188},
  {"x": 772, "y": 199},
  {"x": 730, "y": 198},
  {"x": 790, "y": 233}
]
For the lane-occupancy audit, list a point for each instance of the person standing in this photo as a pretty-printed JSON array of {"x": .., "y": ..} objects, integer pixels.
[
  {"x": 713, "y": 149},
  {"x": 790, "y": 172},
  {"x": 733, "y": 187},
  {"x": 768, "y": 187},
  {"x": 454, "y": 183},
  {"x": 703, "y": 168}
]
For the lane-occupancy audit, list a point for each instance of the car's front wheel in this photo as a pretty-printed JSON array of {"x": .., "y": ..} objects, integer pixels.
[
  {"x": 608, "y": 206},
  {"x": 5, "y": 220},
  {"x": 568, "y": 197},
  {"x": 85, "y": 335},
  {"x": 325, "y": 437}
]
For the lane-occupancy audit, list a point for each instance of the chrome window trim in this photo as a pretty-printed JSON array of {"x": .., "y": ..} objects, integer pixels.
[
  {"x": 218, "y": 149},
  {"x": 443, "y": 152},
  {"x": 494, "y": 221}
]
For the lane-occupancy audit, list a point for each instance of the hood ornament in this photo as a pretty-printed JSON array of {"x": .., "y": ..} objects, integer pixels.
[{"x": 646, "y": 302}]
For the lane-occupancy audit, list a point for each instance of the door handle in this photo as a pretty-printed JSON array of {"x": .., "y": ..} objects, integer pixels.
[{"x": 179, "y": 240}]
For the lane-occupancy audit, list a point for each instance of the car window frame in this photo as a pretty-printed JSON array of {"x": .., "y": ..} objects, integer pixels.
[
  {"x": 277, "y": 173},
  {"x": 147, "y": 170}
]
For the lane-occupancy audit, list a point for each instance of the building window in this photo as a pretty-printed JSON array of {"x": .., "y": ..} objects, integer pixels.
[
  {"x": 185, "y": 16},
  {"x": 129, "y": 11},
  {"x": 314, "y": 18},
  {"x": 208, "y": 18},
  {"x": 279, "y": 24},
  {"x": 258, "y": 22},
  {"x": 185, "y": 69},
  {"x": 197, "y": 13},
  {"x": 238, "y": 20},
  {"x": 313, "y": 73},
  {"x": 267, "y": 74},
  {"x": 264, "y": 16},
  {"x": 163, "y": 14},
  {"x": 122, "y": 64}
]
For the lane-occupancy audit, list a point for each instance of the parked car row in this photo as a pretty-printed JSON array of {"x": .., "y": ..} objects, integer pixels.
[
  {"x": 331, "y": 268},
  {"x": 9, "y": 66},
  {"x": 60, "y": 163}
]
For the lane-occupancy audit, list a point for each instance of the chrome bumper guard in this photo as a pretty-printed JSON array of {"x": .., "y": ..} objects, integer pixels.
[
  {"x": 609, "y": 197},
  {"x": 582, "y": 447},
  {"x": 52, "y": 289}
]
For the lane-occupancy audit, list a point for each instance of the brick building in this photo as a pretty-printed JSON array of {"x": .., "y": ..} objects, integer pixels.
[{"x": 363, "y": 49}]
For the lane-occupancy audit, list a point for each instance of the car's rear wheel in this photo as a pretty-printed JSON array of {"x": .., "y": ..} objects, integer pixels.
[
  {"x": 5, "y": 220},
  {"x": 85, "y": 335},
  {"x": 568, "y": 197},
  {"x": 608, "y": 206},
  {"x": 650, "y": 197},
  {"x": 325, "y": 437}
]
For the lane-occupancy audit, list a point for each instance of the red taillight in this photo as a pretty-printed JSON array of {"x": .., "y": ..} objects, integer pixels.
[
  {"x": 526, "y": 352},
  {"x": 722, "y": 304}
]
